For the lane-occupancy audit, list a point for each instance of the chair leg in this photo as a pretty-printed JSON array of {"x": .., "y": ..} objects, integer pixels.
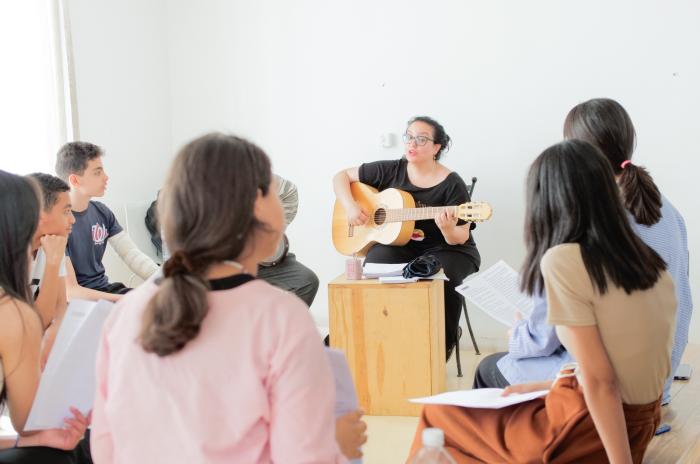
[
  {"x": 469, "y": 326},
  {"x": 459, "y": 361}
]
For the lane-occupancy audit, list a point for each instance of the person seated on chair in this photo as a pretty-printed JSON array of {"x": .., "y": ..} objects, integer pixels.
[
  {"x": 606, "y": 290},
  {"x": 286, "y": 272},
  {"x": 48, "y": 281},
  {"x": 225, "y": 366},
  {"x": 535, "y": 352},
  {"x": 21, "y": 330},
  {"x": 420, "y": 173},
  {"x": 80, "y": 165}
]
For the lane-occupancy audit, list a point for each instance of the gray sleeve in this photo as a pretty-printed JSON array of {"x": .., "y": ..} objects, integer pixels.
[{"x": 289, "y": 196}]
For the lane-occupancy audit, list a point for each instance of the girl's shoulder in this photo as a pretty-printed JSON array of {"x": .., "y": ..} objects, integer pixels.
[{"x": 17, "y": 319}]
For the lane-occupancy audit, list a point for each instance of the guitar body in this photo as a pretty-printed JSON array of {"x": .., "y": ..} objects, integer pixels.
[{"x": 358, "y": 240}]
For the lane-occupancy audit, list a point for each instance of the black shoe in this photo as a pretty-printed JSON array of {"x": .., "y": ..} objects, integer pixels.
[{"x": 450, "y": 349}]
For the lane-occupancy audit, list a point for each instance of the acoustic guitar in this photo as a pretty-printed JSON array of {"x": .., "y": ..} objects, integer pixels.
[{"x": 392, "y": 215}]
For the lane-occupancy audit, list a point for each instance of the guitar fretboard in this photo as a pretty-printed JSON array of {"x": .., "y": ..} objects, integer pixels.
[{"x": 416, "y": 214}]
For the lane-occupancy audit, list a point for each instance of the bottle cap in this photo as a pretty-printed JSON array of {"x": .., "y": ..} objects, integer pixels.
[{"x": 433, "y": 437}]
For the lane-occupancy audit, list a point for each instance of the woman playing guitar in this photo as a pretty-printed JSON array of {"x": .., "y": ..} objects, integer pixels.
[{"x": 420, "y": 173}]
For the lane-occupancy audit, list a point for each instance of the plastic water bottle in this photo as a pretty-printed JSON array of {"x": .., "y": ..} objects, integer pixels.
[{"x": 433, "y": 450}]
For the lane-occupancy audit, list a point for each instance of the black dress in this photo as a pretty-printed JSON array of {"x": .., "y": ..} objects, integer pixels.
[{"x": 458, "y": 261}]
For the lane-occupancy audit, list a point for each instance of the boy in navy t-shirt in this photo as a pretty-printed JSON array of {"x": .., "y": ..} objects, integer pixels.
[{"x": 80, "y": 164}]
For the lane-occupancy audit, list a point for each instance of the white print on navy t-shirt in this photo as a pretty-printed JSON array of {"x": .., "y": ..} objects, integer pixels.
[{"x": 99, "y": 233}]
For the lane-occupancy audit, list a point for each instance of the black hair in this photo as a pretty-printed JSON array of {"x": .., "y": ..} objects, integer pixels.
[
  {"x": 51, "y": 187},
  {"x": 572, "y": 198},
  {"x": 153, "y": 227},
  {"x": 440, "y": 137},
  {"x": 19, "y": 218},
  {"x": 605, "y": 123},
  {"x": 72, "y": 158}
]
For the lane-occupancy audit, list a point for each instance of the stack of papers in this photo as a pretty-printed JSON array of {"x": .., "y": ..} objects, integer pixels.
[
  {"x": 375, "y": 270},
  {"x": 489, "y": 398}
]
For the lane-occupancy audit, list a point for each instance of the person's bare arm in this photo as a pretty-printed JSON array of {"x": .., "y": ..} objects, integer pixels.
[
  {"x": 20, "y": 341},
  {"x": 600, "y": 389},
  {"x": 76, "y": 292},
  {"x": 54, "y": 247},
  {"x": 341, "y": 187}
]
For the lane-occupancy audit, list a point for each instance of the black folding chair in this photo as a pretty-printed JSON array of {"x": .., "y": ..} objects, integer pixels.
[{"x": 458, "y": 335}]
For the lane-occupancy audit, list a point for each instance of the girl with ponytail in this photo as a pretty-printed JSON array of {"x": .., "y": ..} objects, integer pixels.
[
  {"x": 206, "y": 363},
  {"x": 605, "y": 123},
  {"x": 535, "y": 351}
]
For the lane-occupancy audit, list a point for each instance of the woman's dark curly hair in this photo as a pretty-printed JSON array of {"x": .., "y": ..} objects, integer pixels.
[{"x": 440, "y": 137}]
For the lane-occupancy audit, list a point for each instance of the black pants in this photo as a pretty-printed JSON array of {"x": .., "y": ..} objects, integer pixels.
[
  {"x": 456, "y": 265},
  {"x": 292, "y": 276},
  {"x": 117, "y": 288},
  {"x": 488, "y": 375},
  {"x": 43, "y": 455}
]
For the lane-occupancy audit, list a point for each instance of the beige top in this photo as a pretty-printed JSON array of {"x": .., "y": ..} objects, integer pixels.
[{"x": 636, "y": 329}]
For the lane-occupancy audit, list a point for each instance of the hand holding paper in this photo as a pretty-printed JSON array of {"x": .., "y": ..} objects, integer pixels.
[{"x": 496, "y": 291}]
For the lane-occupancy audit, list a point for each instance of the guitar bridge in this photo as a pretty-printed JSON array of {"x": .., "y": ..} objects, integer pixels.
[{"x": 351, "y": 230}]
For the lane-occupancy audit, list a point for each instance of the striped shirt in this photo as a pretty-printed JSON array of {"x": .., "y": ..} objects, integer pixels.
[
  {"x": 669, "y": 239},
  {"x": 289, "y": 196}
]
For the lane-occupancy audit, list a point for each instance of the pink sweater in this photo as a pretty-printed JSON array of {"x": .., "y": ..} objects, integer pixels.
[{"x": 253, "y": 387}]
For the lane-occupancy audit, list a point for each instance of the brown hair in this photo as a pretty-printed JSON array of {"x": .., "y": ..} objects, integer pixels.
[
  {"x": 605, "y": 123},
  {"x": 207, "y": 213},
  {"x": 73, "y": 157}
]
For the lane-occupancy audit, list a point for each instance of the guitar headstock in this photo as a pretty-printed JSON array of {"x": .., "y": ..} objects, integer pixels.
[{"x": 476, "y": 211}]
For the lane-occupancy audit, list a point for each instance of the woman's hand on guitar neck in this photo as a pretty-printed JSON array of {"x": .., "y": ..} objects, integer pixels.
[
  {"x": 454, "y": 234},
  {"x": 356, "y": 215},
  {"x": 446, "y": 220}
]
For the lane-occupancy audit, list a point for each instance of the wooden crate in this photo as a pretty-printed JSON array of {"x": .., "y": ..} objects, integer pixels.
[{"x": 394, "y": 338}]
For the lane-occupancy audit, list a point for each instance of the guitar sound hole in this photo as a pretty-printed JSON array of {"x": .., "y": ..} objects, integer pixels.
[{"x": 380, "y": 216}]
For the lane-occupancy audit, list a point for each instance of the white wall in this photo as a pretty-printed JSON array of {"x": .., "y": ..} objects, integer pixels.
[
  {"x": 122, "y": 82},
  {"x": 316, "y": 83}
]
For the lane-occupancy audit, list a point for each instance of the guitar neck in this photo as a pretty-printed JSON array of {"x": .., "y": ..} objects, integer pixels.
[{"x": 417, "y": 214}]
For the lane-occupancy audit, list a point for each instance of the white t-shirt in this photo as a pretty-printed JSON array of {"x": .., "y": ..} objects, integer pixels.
[{"x": 38, "y": 267}]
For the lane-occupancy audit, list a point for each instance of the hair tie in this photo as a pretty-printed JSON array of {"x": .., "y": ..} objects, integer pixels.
[
  {"x": 178, "y": 264},
  {"x": 625, "y": 163}
]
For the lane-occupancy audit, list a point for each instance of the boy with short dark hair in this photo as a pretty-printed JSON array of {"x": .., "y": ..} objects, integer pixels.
[
  {"x": 48, "y": 278},
  {"x": 80, "y": 165},
  {"x": 49, "y": 246}
]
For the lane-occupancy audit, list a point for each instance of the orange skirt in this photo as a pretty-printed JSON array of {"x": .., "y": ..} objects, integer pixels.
[{"x": 553, "y": 429}]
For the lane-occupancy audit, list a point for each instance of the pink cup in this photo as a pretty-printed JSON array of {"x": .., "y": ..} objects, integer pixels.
[{"x": 353, "y": 269}]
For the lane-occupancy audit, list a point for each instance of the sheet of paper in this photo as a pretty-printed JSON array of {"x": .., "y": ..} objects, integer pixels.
[
  {"x": 496, "y": 291},
  {"x": 397, "y": 280},
  {"x": 373, "y": 270},
  {"x": 69, "y": 376},
  {"x": 6, "y": 429},
  {"x": 345, "y": 396},
  {"x": 489, "y": 398}
]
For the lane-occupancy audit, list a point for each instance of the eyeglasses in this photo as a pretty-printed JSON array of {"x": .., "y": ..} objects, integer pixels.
[{"x": 420, "y": 140}]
